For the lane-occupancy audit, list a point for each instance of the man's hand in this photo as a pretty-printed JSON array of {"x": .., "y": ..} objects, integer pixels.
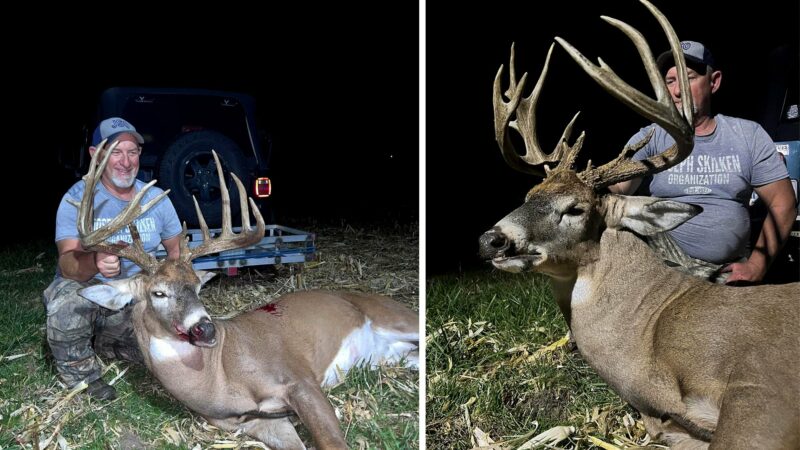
[
  {"x": 107, "y": 264},
  {"x": 748, "y": 271}
]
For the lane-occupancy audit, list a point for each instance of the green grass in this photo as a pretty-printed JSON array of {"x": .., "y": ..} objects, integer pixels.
[
  {"x": 379, "y": 406},
  {"x": 483, "y": 370}
]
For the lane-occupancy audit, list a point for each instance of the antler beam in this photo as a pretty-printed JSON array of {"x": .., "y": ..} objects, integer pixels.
[
  {"x": 660, "y": 110},
  {"x": 227, "y": 240}
]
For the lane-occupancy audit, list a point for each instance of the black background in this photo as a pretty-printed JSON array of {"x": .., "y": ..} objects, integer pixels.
[
  {"x": 337, "y": 89},
  {"x": 469, "y": 187}
]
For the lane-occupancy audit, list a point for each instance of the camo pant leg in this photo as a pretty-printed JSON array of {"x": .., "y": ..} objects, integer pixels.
[
  {"x": 115, "y": 337},
  {"x": 674, "y": 256},
  {"x": 71, "y": 322}
]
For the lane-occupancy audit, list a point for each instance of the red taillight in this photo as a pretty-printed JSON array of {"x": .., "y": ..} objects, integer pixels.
[{"x": 262, "y": 187}]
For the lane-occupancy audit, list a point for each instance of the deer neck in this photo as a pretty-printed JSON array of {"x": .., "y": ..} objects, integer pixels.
[
  {"x": 172, "y": 358},
  {"x": 621, "y": 295}
]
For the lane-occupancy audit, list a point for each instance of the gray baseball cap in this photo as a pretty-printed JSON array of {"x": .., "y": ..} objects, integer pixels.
[
  {"x": 111, "y": 127},
  {"x": 698, "y": 57}
]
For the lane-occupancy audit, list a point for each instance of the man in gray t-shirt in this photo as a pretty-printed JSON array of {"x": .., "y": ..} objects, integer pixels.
[
  {"x": 731, "y": 158},
  {"x": 78, "y": 329}
]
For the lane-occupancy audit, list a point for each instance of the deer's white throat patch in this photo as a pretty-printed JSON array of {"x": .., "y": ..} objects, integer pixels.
[
  {"x": 169, "y": 349},
  {"x": 581, "y": 291}
]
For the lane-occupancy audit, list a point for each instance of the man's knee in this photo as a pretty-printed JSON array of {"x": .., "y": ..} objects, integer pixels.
[{"x": 70, "y": 320}]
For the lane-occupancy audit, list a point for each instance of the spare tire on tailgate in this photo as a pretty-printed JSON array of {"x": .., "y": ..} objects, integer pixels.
[{"x": 188, "y": 169}]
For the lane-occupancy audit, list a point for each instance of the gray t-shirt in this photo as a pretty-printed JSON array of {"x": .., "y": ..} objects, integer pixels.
[
  {"x": 718, "y": 175},
  {"x": 159, "y": 223}
]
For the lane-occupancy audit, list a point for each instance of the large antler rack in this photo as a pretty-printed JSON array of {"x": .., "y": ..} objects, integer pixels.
[
  {"x": 525, "y": 123},
  {"x": 227, "y": 239},
  {"x": 95, "y": 240},
  {"x": 661, "y": 110}
]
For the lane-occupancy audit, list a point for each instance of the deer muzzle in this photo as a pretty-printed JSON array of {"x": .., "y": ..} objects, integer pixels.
[
  {"x": 507, "y": 252},
  {"x": 494, "y": 244},
  {"x": 203, "y": 334}
]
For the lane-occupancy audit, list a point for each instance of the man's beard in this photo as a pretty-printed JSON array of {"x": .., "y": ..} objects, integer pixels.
[{"x": 124, "y": 183}]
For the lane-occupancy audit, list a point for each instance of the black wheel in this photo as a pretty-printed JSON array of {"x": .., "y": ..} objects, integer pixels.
[{"x": 188, "y": 169}]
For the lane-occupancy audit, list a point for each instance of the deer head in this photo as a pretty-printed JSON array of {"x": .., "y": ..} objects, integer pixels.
[
  {"x": 556, "y": 229},
  {"x": 169, "y": 288}
]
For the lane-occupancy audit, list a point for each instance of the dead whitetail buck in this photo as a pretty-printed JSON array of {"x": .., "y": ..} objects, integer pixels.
[
  {"x": 255, "y": 370},
  {"x": 706, "y": 365}
]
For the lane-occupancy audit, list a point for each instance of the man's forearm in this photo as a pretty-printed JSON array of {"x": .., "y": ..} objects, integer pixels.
[
  {"x": 773, "y": 236},
  {"x": 77, "y": 265}
]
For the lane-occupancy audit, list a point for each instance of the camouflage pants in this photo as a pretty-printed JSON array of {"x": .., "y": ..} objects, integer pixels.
[
  {"x": 674, "y": 257},
  {"x": 79, "y": 330}
]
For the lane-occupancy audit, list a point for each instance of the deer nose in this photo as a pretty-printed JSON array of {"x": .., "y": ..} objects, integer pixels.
[
  {"x": 493, "y": 243},
  {"x": 203, "y": 331}
]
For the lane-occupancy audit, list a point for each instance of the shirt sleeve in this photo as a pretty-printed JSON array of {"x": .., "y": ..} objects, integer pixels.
[
  {"x": 66, "y": 220},
  {"x": 172, "y": 224},
  {"x": 768, "y": 166}
]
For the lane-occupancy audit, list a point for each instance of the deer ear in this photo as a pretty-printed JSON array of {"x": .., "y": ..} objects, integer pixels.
[
  {"x": 204, "y": 275},
  {"x": 107, "y": 296},
  {"x": 646, "y": 215}
]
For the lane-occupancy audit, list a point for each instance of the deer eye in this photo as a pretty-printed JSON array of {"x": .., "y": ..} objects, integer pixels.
[
  {"x": 159, "y": 294},
  {"x": 573, "y": 210}
]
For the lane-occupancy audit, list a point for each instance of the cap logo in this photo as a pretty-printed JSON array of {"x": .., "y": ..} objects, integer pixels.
[
  {"x": 119, "y": 123},
  {"x": 685, "y": 45}
]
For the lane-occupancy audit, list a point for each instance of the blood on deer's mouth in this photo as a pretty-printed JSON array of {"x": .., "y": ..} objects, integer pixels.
[
  {"x": 181, "y": 332},
  {"x": 203, "y": 334}
]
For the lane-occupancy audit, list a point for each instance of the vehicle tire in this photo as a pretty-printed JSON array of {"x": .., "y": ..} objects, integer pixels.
[{"x": 188, "y": 169}]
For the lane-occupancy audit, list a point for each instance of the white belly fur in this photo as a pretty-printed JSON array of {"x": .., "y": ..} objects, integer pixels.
[{"x": 375, "y": 346}]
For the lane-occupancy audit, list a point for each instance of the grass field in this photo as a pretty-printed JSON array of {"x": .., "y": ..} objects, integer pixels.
[
  {"x": 377, "y": 408},
  {"x": 493, "y": 378}
]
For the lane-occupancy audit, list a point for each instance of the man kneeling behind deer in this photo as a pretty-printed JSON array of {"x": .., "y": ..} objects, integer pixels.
[
  {"x": 254, "y": 371},
  {"x": 707, "y": 366}
]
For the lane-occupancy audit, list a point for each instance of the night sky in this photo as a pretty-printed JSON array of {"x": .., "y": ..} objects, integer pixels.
[
  {"x": 337, "y": 90},
  {"x": 469, "y": 187}
]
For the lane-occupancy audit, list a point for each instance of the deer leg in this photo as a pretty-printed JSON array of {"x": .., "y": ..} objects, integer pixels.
[
  {"x": 316, "y": 413},
  {"x": 745, "y": 423},
  {"x": 672, "y": 434},
  {"x": 278, "y": 434}
]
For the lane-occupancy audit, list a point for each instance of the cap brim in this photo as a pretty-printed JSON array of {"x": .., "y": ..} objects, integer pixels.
[
  {"x": 666, "y": 61},
  {"x": 135, "y": 134}
]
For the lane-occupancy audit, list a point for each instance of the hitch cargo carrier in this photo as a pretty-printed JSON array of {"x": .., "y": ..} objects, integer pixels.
[{"x": 280, "y": 245}]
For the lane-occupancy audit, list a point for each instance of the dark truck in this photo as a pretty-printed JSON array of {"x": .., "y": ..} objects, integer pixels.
[{"x": 180, "y": 127}]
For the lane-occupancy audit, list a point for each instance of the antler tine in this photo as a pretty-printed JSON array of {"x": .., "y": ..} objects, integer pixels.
[
  {"x": 525, "y": 123},
  {"x": 661, "y": 110},
  {"x": 94, "y": 240},
  {"x": 227, "y": 239}
]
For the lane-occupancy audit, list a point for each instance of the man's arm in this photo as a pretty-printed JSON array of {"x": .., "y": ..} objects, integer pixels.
[
  {"x": 173, "y": 246},
  {"x": 780, "y": 202},
  {"x": 77, "y": 264},
  {"x": 625, "y": 187}
]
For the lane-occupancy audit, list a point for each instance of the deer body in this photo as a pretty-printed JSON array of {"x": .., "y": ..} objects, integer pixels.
[
  {"x": 275, "y": 358},
  {"x": 253, "y": 371},
  {"x": 708, "y": 366},
  {"x": 682, "y": 347},
  {"x": 699, "y": 360}
]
